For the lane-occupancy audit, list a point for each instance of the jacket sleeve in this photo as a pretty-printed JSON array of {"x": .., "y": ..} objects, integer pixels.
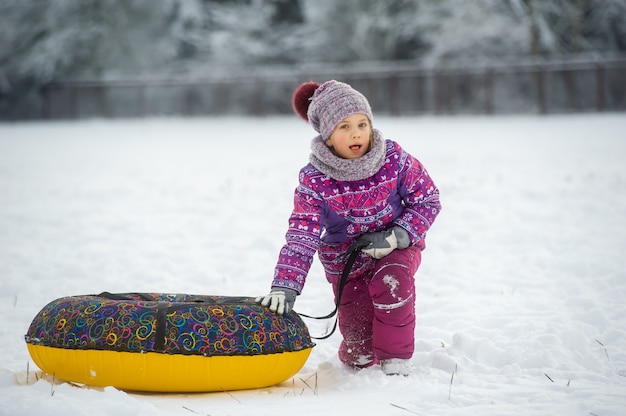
[
  {"x": 302, "y": 239},
  {"x": 420, "y": 197}
]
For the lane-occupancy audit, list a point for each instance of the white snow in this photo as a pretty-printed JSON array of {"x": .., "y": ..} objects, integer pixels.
[
  {"x": 392, "y": 283},
  {"x": 520, "y": 296}
]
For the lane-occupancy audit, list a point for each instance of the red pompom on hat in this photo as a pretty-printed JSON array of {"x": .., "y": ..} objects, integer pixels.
[{"x": 301, "y": 99}]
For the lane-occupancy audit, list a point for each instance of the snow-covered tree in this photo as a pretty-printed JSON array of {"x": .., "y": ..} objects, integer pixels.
[
  {"x": 42, "y": 41},
  {"x": 250, "y": 32},
  {"x": 73, "y": 39},
  {"x": 363, "y": 30},
  {"x": 564, "y": 27}
]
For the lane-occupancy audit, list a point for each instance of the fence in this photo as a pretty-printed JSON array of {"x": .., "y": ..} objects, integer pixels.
[{"x": 397, "y": 90}]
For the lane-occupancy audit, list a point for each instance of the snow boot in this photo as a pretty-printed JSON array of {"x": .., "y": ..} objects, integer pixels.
[{"x": 396, "y": 366}]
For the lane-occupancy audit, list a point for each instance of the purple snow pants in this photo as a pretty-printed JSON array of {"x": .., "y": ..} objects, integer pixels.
[{"x": 377, "y": 311}]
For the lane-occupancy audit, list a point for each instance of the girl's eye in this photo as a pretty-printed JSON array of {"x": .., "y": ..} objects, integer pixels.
[{"x": 363, "y": 125}]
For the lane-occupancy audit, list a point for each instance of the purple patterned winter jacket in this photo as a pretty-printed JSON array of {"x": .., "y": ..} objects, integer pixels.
[{"x": 329, "y": 215}]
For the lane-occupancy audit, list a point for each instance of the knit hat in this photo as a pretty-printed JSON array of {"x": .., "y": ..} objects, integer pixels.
[{"x": 326, "y": 105}]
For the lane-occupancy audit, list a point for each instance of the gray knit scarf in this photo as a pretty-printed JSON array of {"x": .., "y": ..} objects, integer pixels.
[{"x": 348, "y": 169}]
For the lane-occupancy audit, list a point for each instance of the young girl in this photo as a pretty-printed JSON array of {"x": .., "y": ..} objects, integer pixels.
[{"x": 358, "y": 187}]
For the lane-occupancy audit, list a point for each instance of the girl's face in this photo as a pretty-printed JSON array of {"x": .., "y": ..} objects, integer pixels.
[{"x": 351, "y": 138}]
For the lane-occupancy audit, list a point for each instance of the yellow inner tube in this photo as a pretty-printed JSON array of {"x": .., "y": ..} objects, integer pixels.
[
  {"x": 167, "y": 342},
  {"x": 157, "y": 372}
]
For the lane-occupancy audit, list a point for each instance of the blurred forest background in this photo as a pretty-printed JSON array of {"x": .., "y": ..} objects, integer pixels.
[{"x": 81, "y": 58}]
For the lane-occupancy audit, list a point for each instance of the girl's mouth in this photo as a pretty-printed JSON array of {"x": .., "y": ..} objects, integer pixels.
[{"x": 355, "y": 147}]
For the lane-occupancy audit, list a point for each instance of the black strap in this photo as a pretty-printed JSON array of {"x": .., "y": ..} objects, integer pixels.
[
  {"x": 161, "y": 324},
  {"x": 353, "y": 252},
  {"x": 124, "y": 296}
]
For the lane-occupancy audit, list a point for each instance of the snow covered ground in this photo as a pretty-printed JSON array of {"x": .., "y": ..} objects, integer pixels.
[{"x": 520, "y": 295}]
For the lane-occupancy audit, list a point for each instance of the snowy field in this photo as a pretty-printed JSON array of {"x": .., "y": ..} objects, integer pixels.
[{"x": 521, "y": 293}]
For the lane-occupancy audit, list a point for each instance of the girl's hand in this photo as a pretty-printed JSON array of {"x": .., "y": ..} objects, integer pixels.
[
  {"x": 279, "y": 300},
  {"x": 382, "y": 243}
]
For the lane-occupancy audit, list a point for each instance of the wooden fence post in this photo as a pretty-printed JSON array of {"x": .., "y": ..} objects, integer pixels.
[
  {"x": 394, "y": 100},
  {"x": 541, "y": 89},
  {"x": 488, "y": 78},
  {"x": 600, "y": 87}
]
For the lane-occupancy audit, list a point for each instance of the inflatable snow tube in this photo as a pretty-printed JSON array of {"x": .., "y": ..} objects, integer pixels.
[{"x": 167, "y": 343}]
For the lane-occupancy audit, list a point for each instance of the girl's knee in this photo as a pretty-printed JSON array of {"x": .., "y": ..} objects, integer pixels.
[{"x": 393, "y": 283}]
